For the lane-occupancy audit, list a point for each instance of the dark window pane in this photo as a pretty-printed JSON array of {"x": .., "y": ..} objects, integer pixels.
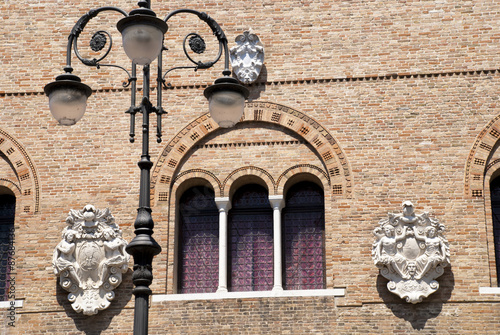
[
  {"x": 251, "y": 240},
  {"x": 303, "y": 237},
  {"x": 198, "y": 241},
  {"x": 7, "y": 214},
  {"x": 495, "y": 209}
]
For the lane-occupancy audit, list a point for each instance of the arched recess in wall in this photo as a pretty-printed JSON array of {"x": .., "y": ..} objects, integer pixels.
[
  {"x": 302, "y": 172},
  {"x": 338, "y": 171},
  {"x": 492, "y": 172},
  {"x": 482, "y": 167},
  {"x": 480, "y": 158},
  {"x": 248, "y": 175},
  {"x": 23, "y": 178}
]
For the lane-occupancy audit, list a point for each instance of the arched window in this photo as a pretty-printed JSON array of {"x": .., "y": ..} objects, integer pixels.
[
  {"x": 250, "y": 240},
  {"x": 495, "y": 210},
  {"x": 261, "y": 246},
  {"x": 303, "y": 237},
  {"x": 198, "y": 241},
  {"x": 7, "y": 214}
]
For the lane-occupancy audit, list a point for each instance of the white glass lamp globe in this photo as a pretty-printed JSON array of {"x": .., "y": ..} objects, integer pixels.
[
  {"x": 67, "y": 98},
  {"x": 67, "y": 105},
  {"x": 142, "y": 37},
  {"x": 226, "y": 101},
  {"x": 226, "y": 108}
]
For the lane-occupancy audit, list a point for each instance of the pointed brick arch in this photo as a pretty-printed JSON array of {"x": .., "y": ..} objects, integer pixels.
[
  {"x": 338, "y": 169},
  {"x": 477, "y": 162},
  {"x": 27, "y": 183}
]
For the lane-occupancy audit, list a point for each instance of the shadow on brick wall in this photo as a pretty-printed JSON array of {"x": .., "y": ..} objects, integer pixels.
[
  {"x": 95, "y": 324},
  {"x": 259, "y": 86},
  {"x": 418, "y": 314}
]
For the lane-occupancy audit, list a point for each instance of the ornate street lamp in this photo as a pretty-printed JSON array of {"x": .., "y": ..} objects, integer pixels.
[{"x": 143, "y": 34}]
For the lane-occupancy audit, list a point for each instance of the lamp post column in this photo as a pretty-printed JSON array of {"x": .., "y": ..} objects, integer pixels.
[
  {"x": 143, "y": 247},
  {"x": 142, "y": 36}
]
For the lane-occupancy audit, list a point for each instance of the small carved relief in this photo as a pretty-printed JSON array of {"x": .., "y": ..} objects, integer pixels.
[
  {"x": 90, "y": 259},
  {"x": 411, "y": 251},
  {"x": 247, "y": 57}
]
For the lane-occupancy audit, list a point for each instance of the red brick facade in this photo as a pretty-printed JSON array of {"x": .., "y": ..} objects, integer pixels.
[{"x": 375, "y": 101}]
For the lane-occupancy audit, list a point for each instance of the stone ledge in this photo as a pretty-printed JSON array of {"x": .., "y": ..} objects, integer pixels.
[
  {"x": 489, "y": 290},
  {"x": 8, "y": 303},
  {"x": 337, "y": 292}
]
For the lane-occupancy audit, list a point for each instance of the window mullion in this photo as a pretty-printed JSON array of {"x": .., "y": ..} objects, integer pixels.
[
  {"x": 224, "y": 205},
  {"x": 277, "y": 203}
]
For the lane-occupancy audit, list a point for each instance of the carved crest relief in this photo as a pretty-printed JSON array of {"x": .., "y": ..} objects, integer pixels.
[
  {"x": 411, "y": 251},
  {"x": 90, "y": 259},
  {"x": 247, "y": 57}
]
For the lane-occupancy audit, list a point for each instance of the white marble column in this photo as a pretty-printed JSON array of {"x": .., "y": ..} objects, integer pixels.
[
  {"x": 277, "y": 203},
  {"x": 224, "y": 205}
]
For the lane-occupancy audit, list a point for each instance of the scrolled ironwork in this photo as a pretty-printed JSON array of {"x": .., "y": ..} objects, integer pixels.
[
  {"x": 216, "y": 29},
  {"x": 82, "y": 22},
  {"x": 197, "y": 44},
  {"x": 199, "y": 47},
  {"x": 168, "y": 85},
  {"x": 127, "y": 83},
  {"x": 98, "y": 41}
]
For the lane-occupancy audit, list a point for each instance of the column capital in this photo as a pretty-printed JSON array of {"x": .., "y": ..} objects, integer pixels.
[
  {"x": 277, "y": 201},
  {"x": 223, "y": 203}
]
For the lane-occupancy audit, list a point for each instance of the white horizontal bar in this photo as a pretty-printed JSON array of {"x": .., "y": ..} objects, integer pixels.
[
  {"x": 489, "y": 290},
  {"x": 336, "y": 292},
  {"x": 7, "y": 304}
]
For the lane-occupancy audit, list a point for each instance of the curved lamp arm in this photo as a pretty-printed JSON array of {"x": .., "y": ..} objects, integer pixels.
[
  {"x": 217, "y": 31},
  {"x": 77, "y": 30},
  {"x": 226, "y": 97}
]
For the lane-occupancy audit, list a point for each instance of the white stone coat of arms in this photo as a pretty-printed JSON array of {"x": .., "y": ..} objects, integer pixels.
[
  {"x": 411, "y": 251},
  {"x": 247, "y": 57},
  {"x": 90, "y": 259}
]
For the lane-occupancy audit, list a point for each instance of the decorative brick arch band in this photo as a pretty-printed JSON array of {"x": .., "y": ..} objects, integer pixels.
[
  {"x": 475, "y": 167},
  {"x": 338, "y": 169},
  {"x": 300, "y": 169},
  {"x": 11, "y": 185},
  {"x": 27, "y": 184},
  {"x": 244, "y": 172},
  {"x": 189, "y": 175}
]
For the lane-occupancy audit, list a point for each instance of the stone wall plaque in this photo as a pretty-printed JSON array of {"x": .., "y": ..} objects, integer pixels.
[
  {"x": 247, "y": 57},
  {"x": 90, "y": 259},
  {"x": 411, "y": 251}
]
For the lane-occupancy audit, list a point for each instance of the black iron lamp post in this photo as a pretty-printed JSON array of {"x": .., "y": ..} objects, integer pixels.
[{"x": 142, "y": 35}]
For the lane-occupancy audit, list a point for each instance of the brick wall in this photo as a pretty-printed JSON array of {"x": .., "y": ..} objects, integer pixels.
[{"x": 404, "y": 88}]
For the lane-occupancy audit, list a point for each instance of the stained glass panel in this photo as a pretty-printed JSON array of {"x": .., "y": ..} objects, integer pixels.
[
  {"x": 251, "y": 240},
  {"x": 495, "y": 209},
  {"x": 303, "y": 233},
  {"x": 7, "y": 214},
  {"x": 198, "y": 241}
]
